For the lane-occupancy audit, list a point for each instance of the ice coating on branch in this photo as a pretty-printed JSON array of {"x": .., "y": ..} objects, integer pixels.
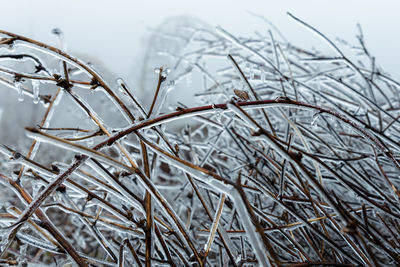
[
  {"x": 240, "y": 113},
  {"x": 164, "y": 91},
  {"x": 122, "y": 87},
  {"x": 6, "y": 151},
  {"x": 115, "y": 184}
]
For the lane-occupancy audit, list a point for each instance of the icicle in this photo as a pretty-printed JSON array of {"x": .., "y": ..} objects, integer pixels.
[
  {"x": 18, "y": 85},
  {"x": 60, "y": 34},
  {"x": 314, "y": 120},
  {"x": 35, "y": 89},
  {"x": 251, "y": 72},
  {"x": 262, "y": 75}
]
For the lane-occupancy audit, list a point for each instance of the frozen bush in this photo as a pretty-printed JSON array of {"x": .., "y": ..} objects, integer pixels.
[{"x": 290, "y": 157}]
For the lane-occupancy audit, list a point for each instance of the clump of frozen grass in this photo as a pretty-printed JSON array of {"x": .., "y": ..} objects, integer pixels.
[{"x": 291, "y": 158}]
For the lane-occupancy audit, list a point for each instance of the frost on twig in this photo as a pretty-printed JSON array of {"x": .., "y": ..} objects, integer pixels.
[{"x": 289, "y": 157}]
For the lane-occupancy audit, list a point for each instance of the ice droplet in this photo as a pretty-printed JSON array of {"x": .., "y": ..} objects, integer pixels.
[
  {"x": 156, "y": 70},
  {"x": 35, "y": 89},
  {"x": 119, "y": 81},
  {"x": 165, "y": 72},
  {"x": 18, "y": 85}
]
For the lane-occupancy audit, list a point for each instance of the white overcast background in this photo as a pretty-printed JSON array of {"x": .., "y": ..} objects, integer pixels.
[{"x": 115, "y": 31}]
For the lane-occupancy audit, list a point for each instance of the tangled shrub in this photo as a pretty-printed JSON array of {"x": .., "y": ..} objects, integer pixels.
[{"x": 290, "y": 159}]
